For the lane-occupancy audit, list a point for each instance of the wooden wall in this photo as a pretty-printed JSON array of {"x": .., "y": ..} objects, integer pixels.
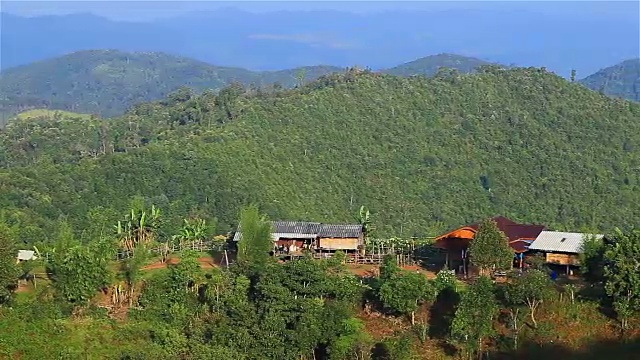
[
  {"x": 339, "y": 243},
  {"x": 563, "y": 259}
]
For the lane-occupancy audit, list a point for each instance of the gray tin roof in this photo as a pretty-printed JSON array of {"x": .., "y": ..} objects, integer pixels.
[
  {"x": 557, "y": 241},
  {"x": 309, "y": 230},
  {"x": 340, "y": 231}
]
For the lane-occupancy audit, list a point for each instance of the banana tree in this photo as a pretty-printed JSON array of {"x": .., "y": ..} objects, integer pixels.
[
  {"x": 364, "y": 218},
  {"x": 138, "y": 228},
  {"x": 192, "y": 230}
]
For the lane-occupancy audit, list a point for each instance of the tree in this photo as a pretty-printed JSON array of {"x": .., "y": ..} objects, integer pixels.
[
  {"x": 80, "y": 271},
  {"x": 489, "y": 249},
  {"x": 537, "y": 261},
  {"x": 131, "y": 270},
  {"x": 531, "y": 288},
  {"x": 364, "y": 218},
  {"x": 622, "y": 273},
  {"x": 301, "y": 76},
  {"x": 256, "y": 241},
  {"x": 226, "y": 100},
  {"x": 389, "y": 268},
  {"x": 446, "y": 279},
  {"x": 473, "y": 321},
  {"x": 9, "y": 272},
  {"x": 352, "y": 342},
  {"x": 187, "y": 275},
  {"x": 592, "y": 258},
  {"x": 403, "y": 291},
  {"x": 573, "y": 75}
]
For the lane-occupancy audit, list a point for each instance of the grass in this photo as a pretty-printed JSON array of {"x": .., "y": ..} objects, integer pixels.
[{"x": 50, "y": 114}]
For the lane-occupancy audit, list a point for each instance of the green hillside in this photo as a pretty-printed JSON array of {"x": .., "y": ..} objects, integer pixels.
[
  {"x": 421, "y": 153},
  {"x": 107, "y": 82},
  {"x": 429, "y": 66},
  {"x": 621, "y": 80}
]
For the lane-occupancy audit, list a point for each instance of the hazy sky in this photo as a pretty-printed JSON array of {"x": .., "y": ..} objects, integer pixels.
[{"x": 148, "y": 10}]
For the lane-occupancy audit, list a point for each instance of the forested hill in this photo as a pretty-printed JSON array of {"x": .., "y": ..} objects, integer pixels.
[
  {"x": 421, "y": 153},
  {"x": 107, "y": 82},
  {"x": 621, "y": 80},
  {"x": 429, "y": 66}
]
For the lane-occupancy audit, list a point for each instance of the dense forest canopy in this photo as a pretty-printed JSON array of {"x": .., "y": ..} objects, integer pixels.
[
  {"x": 423, "y": 154},
  {"x": 108, "y": 82}
]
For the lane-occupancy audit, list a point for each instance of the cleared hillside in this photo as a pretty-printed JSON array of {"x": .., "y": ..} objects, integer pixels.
[
  {"x": 421, "y": 153},
  {"x": 621, "y": 80}
]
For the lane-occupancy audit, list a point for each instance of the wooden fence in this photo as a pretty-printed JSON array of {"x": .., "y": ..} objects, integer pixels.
[
  {"x": 165, "y": 249},
  {"x": 374, "y": 254}
]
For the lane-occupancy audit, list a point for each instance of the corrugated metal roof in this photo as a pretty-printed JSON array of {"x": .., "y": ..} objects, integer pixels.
[
  {"x": 309, "y": 230},
  {"x": 341, "y": 231},
  {"x": 557, "y": 241},
  {"x": 296, "y": 227}
]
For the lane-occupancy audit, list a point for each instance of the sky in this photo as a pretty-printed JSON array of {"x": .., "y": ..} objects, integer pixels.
[{"x": 147, "y": 10}]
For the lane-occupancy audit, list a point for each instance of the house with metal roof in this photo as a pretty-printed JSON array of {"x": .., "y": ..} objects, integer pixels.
[
  {"x": 455, "y": 243},
  {"x": 293, "y": 236},
  {"x": 561, "y": 248}
]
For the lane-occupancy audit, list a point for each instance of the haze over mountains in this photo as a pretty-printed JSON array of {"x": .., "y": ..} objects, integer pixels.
[{"x": 558, "y": 35}]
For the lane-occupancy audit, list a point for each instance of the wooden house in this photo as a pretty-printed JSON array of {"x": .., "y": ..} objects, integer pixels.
[
  {"x": 456, "y": 242},
  {"x": 561, "y": 248},
  {"x": 294, "y": 236},
  {"x": 345, "y": 237}
]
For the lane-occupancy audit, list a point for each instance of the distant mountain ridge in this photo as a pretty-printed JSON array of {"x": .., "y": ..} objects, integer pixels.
[
  {"x": 621, "y": 80},
  {"x": 429, "y": 66},
  {"x": 559, "y": 35},
  {"x": 108, "y": 82}
]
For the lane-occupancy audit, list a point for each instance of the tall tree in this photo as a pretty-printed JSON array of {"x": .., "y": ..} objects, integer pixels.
[
  {"x": 622, "y": 274},
  {"x": 531, "y": 289},
  {"x": 403, "y": 291},
  {"x": 473, "y": 321},
  {"x": 256, "y": 241},
  {"x": 489, "y": 249},
  {"x": 9, "y": 272},
  {"x": 592, "y": 258}
]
